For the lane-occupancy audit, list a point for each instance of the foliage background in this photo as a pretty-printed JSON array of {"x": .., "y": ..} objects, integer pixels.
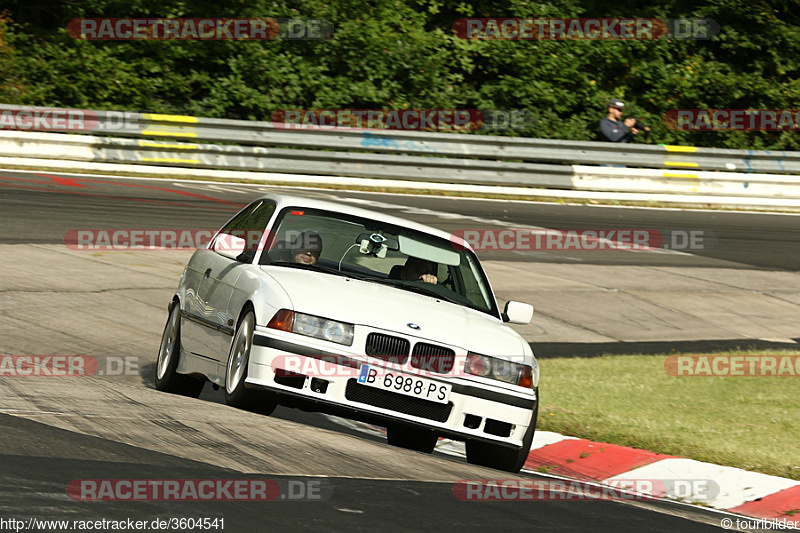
[{"x": 403, "y": 54}]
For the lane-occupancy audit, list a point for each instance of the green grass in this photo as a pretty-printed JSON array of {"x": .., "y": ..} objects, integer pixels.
[{"x": 747, "y": 422}]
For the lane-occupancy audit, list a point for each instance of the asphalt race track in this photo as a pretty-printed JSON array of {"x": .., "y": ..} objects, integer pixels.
[
  {"x": 761, "y": 240},
  {"x": 114, "y": 425}
]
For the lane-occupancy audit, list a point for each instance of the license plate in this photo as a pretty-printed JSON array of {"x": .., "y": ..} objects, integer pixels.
[{"x": 425, "y": 389}]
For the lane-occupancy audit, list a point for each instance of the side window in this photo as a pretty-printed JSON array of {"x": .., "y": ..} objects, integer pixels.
[{"x": 249, "y": 225}]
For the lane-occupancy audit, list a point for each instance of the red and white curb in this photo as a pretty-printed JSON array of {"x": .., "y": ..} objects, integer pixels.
[{"x": 740, "y": 491}]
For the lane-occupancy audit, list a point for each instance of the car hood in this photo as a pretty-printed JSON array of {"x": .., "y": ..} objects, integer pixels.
[{"x": 389, "y": 308}]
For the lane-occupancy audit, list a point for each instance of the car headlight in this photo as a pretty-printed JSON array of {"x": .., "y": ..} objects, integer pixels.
[
  {"x": 313, "y": 326},
  {"x": 337, "y": 332},
  {"x": 505, "y": 370},
  {"x": 499, "y": 369},
  {"x": 478, "y": 365}
]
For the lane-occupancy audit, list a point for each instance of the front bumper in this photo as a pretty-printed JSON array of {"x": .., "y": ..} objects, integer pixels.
[{"x": 329, "y": 380}]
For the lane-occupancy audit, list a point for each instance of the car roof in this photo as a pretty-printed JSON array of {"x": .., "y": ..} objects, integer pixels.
[{"x": 287, "y": 200}]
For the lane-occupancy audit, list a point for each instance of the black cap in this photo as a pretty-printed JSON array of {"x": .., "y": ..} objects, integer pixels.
[{"x": 616, "y": 102}]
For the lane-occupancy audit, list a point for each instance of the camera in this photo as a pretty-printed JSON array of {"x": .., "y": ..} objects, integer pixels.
[{"x": 641, "y": 126}]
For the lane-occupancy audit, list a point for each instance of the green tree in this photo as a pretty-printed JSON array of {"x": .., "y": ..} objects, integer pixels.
[{"x": 404, "y": 54}]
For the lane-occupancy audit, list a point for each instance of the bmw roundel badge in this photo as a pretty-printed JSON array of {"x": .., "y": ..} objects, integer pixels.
[{"x": 412, "y": 325}]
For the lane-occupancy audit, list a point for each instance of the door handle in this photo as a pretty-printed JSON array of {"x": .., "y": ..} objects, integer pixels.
[{"x": 208, "y": 273}]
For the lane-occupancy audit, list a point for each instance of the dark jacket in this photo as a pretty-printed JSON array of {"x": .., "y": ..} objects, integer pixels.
[{"x": 614, "y": 131}]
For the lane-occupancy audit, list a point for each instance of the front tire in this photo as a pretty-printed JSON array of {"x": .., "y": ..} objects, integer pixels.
[
  {"x": 236, "y": 394},
  {"x": 500, "y": 457},
  {"x": 411, "y": 438},
  {"x": 167, "y": 378}
]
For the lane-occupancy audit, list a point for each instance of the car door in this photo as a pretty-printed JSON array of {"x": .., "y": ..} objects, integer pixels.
[
  {"x": 224, "y": 270},
  {"x": 196, "y": 338},
  {"x": 206, "y": 323}
]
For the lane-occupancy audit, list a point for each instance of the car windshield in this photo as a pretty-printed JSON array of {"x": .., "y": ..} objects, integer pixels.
[{"x": 383, "y": 253}]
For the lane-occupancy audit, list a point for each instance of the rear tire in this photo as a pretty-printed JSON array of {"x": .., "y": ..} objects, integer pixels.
[
  {"x": 411, "y": 438},
  {"x": 167, "y": 378},
  {"x": 236, "y": 394},
  {"x": 501, "y": 457}
]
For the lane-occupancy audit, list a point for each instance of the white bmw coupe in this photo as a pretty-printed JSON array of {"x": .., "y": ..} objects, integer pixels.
[{"x": 333, "y": 308}]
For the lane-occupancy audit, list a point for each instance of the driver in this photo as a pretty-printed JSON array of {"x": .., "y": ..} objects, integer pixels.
[
  {"x": 306, "y": 248},
  {"x": 417, "y": 269}
]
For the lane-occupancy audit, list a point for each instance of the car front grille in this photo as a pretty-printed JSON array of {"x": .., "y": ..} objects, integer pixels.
[
  {"x": 392, "y": 401},
  {"x": 386, "y": 347},
  {"x": 433, "y": 358}
]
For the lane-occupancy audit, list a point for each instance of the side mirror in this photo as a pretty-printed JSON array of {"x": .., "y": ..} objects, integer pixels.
[
  {"x": 229, "y": 245},
  {"x": 517, "y": 313}
]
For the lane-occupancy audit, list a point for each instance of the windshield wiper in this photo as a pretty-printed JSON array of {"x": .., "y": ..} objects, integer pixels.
[
  {"x": 303, "y": 266},
  {"x": 419, "y": 289},
  {"x": 316, "y": 268}
]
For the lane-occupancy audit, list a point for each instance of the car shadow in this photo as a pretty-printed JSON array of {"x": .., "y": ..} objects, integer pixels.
[{"x": 293, "y": 414}]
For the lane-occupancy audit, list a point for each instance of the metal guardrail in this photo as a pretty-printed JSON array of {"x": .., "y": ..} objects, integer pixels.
[
  {"x": 169, "y": 140},
  {"x": 482, "y": 146},
  {"x": 252, "y": 158}
]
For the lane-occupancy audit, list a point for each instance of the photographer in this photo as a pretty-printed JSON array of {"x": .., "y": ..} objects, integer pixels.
[{"x": 611, "y": 129}]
